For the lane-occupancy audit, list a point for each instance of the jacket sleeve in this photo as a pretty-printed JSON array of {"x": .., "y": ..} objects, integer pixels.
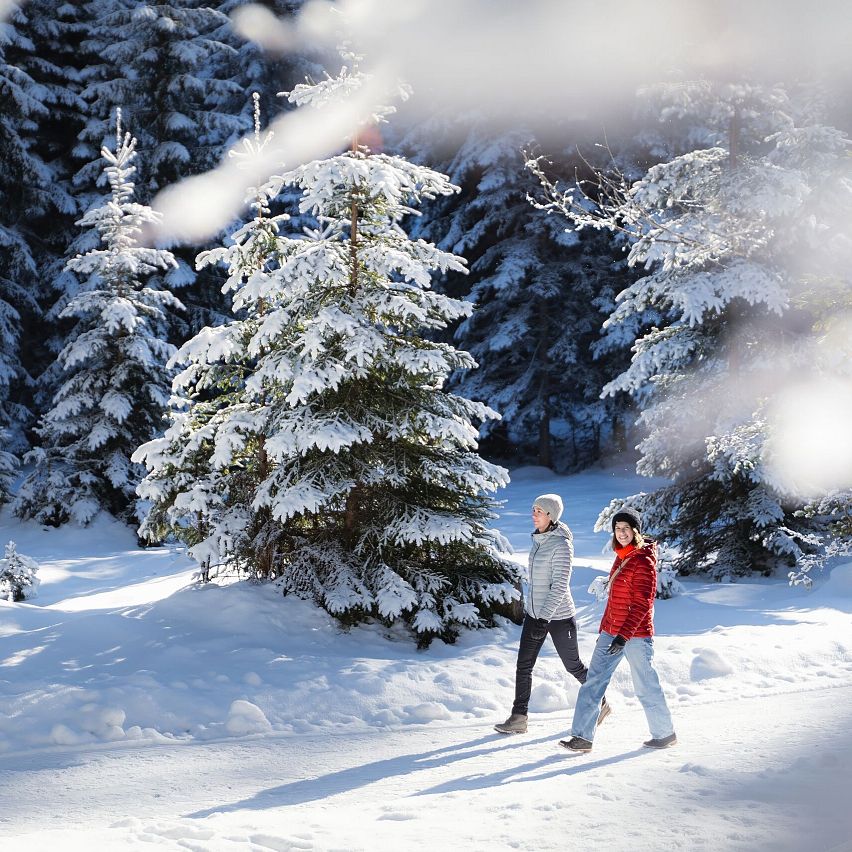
[
  {"x": 560, "y": 575},
  {"x": 643, "y": 587}
]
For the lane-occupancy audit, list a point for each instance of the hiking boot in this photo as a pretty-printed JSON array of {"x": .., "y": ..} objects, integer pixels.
[
  {"x": 576, "y": 744},
  {"x": 515, "y": 724},
  {"x": 605, "y": 711},
  {"x": 662, "y": 742}
]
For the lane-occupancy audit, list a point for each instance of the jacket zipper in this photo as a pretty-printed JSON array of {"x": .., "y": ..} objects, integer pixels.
[{"x": 532, "y": 585}]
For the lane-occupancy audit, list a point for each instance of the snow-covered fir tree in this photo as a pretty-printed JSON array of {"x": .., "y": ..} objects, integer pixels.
[
  {"x": 171, "y": 69},
  {"x": 9, "y": 466},
  {"x": 736, "y": 240},
  {"x": 833, "y": 512},
  {"x": 827, "y": 383},
  {"x": 56, "y": 326},
  {"x": 319, "y": 444},
  {"x": 167, "y": 66},
  {"x": 27, "y": 193},
  {"x": 18, "y": 575},
  {"x": 541, "y": 295},
  {"x": 268, "y": 72},
  {"x": 115, "y": 387},
  {"x": 56, "y": 29}
]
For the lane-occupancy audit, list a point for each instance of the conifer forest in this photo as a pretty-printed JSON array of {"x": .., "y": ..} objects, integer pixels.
[{"x": 299, "y": 292}]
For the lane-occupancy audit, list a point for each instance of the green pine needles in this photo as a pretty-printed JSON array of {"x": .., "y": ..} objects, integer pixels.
[{"x": 316, "y": 443}]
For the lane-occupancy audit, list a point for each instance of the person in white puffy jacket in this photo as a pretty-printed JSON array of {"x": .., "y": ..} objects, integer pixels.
[{"x": 548, "y": 609}]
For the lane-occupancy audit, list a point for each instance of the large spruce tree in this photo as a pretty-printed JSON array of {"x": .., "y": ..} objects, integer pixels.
[{"x": 319, "y": 444}]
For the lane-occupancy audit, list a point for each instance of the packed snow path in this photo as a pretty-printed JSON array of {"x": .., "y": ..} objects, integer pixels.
[{"x": 761, "y": 773}]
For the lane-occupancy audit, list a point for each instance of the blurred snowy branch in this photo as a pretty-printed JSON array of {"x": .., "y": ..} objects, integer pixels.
[
  {"x": 201, "y": 206},
  {"x": 527, "y": 62}
]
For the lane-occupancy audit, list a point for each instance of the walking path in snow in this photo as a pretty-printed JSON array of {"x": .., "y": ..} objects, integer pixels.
[{"x": 760, "y": 773}]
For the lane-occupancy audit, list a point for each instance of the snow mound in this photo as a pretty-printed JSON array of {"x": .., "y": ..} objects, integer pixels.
[
  {"x": 63, "y": 735},
  {"x": 246, "y": 718},
  {"x": 428, "y": 711},
  {"x": 839, "y": 582},
  {"x": 707, "y": 664},
  {"x": 103, "y": 723},
  {"x": 547, "y": 698}
]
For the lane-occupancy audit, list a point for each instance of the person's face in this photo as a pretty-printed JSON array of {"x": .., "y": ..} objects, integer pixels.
[
  {"x": 623, "y": 533},
  {"x": 541, "y": 520}
]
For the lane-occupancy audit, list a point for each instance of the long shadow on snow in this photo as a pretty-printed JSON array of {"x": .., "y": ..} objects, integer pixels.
[
  {"x": 481, "y": 782},
  {"x": 362, "y": 775}
]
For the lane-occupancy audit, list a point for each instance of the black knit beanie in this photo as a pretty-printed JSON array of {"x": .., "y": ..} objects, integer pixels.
[{"x": 628, "y": 515}]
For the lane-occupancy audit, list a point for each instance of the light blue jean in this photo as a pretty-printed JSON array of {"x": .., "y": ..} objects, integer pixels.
[{"x": 640, "y": 655}]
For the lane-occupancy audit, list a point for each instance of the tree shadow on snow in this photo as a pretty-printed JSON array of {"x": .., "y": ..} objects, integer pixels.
[{"x": 708, "y": 607}]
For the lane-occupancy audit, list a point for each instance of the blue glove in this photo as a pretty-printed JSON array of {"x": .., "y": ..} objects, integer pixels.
[
  {"x": 539, "y": 629},
  {"x": 616, "y": 645}
]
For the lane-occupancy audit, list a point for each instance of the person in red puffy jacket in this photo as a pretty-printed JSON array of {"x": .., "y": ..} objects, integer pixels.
[{"x": 626, "y": 630}]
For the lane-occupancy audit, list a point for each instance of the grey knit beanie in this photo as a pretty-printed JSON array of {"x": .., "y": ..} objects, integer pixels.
[
  {"x": 629, "y": 516},
  {"x": 550, "y": 503}
]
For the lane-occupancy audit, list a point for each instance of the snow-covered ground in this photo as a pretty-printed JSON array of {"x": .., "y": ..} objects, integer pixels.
[{"x": 138, "y": 709}]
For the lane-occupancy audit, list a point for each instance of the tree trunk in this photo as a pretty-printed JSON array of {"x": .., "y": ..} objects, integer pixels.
[
  {"x": 350, "y": 520},
  {"x": 619, "y": 434},
  {"x": 544, "y": 438},
  {"x": 265, "y": 555},
  {"x": 205, "y": 566},
  {"x": 734, "y": 138},
  {"x": 575, "y": 450},
  {"x": 353, "y": 232},
  {"x": 353, "y": 247},
  {"x": 544, "y": 444}
]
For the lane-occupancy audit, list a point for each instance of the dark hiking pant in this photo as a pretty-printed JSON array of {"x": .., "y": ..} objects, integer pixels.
[{"x": 564, "y": 635}]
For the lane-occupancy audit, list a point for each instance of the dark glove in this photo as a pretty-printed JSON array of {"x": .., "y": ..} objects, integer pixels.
[
  {"x": 616, "y": 645},
  {"x": 539, "y": 628}
]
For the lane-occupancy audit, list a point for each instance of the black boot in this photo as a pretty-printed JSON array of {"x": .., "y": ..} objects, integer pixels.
[
  {"x": 662, "y": 742},
  {"x": 576, "y": 744}
]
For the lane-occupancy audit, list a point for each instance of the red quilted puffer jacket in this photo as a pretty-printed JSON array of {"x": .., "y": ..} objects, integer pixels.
[{"x": 633, "y": 583}]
